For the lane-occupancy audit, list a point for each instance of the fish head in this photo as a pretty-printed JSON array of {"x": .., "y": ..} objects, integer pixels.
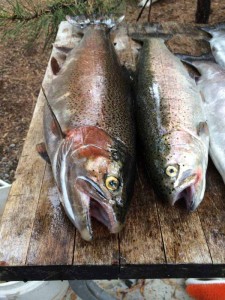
[
  {"x": 184, "y": 170},
  {"x": 98, "y": 184}
]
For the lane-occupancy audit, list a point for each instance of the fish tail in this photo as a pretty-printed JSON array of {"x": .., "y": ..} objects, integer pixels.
[{"x": 83, "y": 21}]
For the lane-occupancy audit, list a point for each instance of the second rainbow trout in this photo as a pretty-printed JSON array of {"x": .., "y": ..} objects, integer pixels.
[{"x": 171, "y": 123}]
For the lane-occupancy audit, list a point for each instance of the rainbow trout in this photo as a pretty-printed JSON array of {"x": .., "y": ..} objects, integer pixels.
[
  {"x": 171, "y": 124},
  {"x": 89, "y": 132}
]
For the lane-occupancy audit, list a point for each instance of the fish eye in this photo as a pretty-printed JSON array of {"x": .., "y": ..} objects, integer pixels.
[
  {"x": 171, "y": 171},
  {"x": 112, "y": 183}
]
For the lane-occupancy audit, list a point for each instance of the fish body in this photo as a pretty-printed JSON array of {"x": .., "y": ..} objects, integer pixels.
[
  {"x": 171, "y": 125},
  {"x": 89, "y": 133},
  {"x": 211, "y": 84},
  {"x": 217, "y": 44}
]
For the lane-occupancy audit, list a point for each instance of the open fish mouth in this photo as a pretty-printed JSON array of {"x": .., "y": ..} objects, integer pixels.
[
  {"x": 187, "y": 191},
  {"x": 104, "y": 214},
  {"x": 94, "y": 200}
]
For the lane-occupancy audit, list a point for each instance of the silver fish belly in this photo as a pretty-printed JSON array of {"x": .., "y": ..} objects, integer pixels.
[{"x": 212, "y": 87}]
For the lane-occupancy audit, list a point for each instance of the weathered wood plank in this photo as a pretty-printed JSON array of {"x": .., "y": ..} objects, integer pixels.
[
  {"x": 18, "y": 218},
  {"x": 140, "y": 240},
  {"x": 183, "y": 236},
  {"x": 103, "y": 250},
  {"x": 53, "y": 235},
  {"x": 212, "y": 215}
]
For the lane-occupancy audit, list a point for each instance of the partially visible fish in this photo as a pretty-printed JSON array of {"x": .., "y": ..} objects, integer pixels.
[
  {"x": 217, "y": 43},
  {"x": 89, "y": 131},
  {"x": 211, "y": 84},
  {"x": 172, "y": 126}
]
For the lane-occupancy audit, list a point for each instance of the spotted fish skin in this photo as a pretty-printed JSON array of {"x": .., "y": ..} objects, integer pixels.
[
  {"x": 171, "y": 125},
  {"x": 92, "y": 89},
  {"x": 89, "y": 133}
]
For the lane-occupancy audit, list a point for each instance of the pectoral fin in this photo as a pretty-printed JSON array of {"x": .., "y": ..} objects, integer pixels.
[{"x": 41, "y": 149}]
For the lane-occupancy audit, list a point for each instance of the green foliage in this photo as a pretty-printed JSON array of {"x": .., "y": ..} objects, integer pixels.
[{"x": 42, "y": 18}]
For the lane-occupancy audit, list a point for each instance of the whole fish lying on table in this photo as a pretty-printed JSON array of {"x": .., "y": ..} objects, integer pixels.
[
  {"x": 211, "y": 84},
  {"x": 89, "y": 131},
  {"x": 172, "y": 125}
]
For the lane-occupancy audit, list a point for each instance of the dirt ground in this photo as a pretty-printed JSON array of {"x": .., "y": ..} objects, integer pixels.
[{"x": 22, "y": 71}]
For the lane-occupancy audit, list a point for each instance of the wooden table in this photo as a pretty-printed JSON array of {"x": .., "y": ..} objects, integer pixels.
[{"x": 38, "y": 242}]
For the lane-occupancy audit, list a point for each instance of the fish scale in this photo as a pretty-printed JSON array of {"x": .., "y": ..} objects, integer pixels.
[
  {"x": 171, "y": 122},
  {"x": 97, "y": 89}
]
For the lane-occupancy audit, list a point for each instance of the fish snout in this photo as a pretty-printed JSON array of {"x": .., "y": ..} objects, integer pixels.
[
  {"x": 99, "y": 206},
  {"x": 190, "y": 189}
]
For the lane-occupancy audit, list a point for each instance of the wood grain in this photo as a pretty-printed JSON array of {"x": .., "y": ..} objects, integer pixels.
[
  {"x": 141, "y": 241},
  {"x": 183, "y": 236},
  {"x": 19, "y": 214},
  {"x": 52, "y": 240},
  {"x": 212, "y": 215}
]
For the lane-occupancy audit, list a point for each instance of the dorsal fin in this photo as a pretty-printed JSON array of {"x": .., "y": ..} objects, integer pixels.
[{"x": 58, "y": 127}]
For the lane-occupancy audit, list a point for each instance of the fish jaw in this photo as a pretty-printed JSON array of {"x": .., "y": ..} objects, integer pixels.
[
  {"x": 191, "y": 189},
  {"x": 101, "y": 208},
  {"x": 189, "y": 156},
  {"x": 80, "y": 171}
]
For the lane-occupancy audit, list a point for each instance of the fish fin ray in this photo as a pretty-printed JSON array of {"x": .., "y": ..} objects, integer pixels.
[{"x": 56, "y": 122}]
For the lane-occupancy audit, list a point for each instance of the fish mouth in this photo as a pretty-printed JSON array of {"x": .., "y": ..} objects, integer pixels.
[
  {"x": 95, "y": 202},
  {"x": 187, "y": 191}
]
